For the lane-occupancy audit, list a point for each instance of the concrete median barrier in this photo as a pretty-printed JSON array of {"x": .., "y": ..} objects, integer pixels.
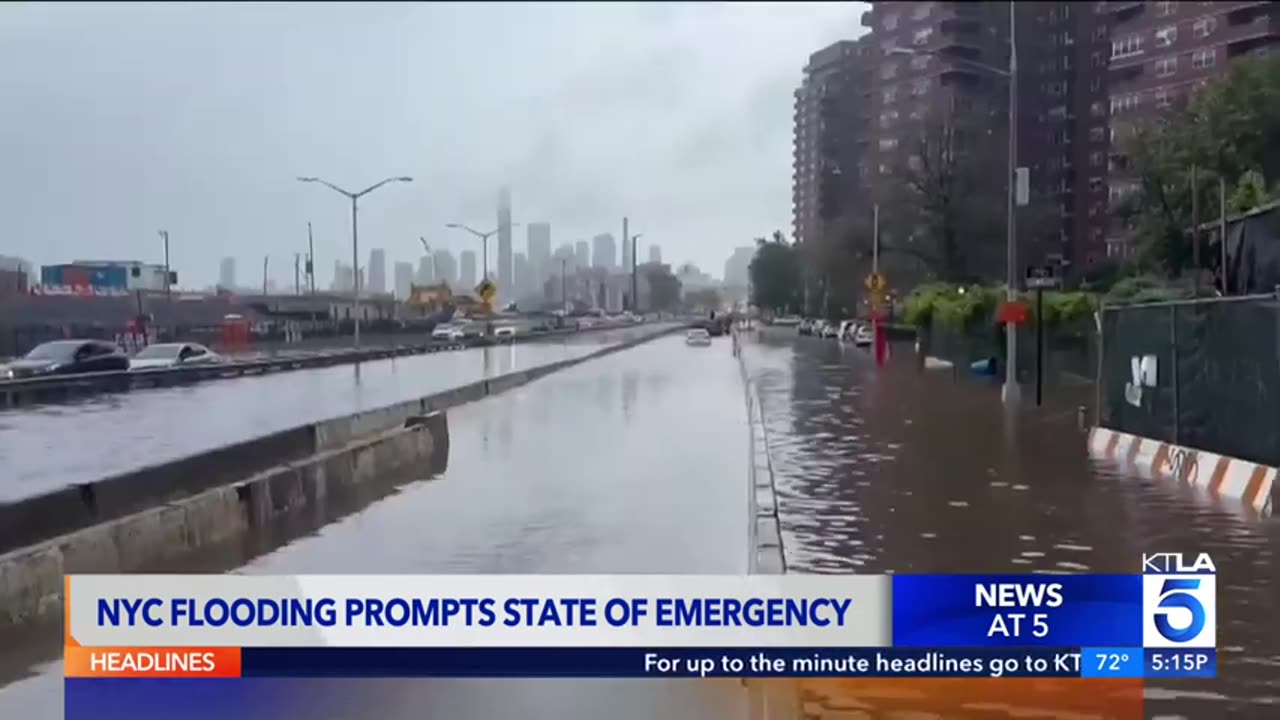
[{"x": 136, "y": 520}]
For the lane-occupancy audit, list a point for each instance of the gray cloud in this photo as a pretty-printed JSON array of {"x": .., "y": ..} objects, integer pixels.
[{"x": 119, "y": 120}]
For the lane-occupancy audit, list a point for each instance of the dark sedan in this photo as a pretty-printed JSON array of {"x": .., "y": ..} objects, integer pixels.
[{"x": 66, "y": 357}]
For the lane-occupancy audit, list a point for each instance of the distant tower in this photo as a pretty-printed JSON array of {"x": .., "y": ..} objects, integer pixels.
[{"x": 505, "y": 268}]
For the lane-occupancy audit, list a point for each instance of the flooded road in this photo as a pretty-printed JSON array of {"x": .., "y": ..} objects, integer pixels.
[
  {"x": 633, "y": 463},
  {"x": 891, "y": 471},
  {"x": 48, "y": 446}
]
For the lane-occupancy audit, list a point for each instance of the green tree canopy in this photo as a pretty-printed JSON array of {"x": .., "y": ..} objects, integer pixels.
[
  {"x": 664, "y": 289},
  {"x": 776, "y": 275}
]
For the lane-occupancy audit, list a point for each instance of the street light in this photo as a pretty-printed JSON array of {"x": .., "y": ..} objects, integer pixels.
[
  {"x": 1011, "y": 393},
  {"x": 355, "y": 241},
  {"x": 484, "y": 240}
]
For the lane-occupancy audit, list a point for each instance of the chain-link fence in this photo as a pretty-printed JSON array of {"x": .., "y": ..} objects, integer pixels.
[{"x": 1203, "y": 373}]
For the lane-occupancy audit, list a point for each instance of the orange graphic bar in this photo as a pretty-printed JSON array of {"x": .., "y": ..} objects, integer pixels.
[{"x": 133, "y": 662}]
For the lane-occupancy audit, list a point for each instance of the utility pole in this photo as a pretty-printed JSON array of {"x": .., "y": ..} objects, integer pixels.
[
  {"x": 1222, "y": 229},
  {"x": 265, "y": 258},
  {"x": 311, "y": 260},
  {"x": 168, "y": 286},
  {"x": 1195, "y": 232},
  {"x": 297, "y": 279},
  {"x": 564, "y": 296}
]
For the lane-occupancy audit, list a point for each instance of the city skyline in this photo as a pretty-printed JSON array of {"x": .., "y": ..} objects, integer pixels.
[{"x": 222, "y": 187}]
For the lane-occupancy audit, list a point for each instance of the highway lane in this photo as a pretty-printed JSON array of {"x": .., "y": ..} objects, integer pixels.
[
  {"x": 49, "y": 446},
  {"x": 636, "y": 462}
]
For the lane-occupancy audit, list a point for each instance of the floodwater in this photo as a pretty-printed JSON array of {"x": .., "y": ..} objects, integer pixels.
[
  {"x": 893, "y": 471},
  {"x": 49, "y": 446},
  {"x": 633, "y": 463}
]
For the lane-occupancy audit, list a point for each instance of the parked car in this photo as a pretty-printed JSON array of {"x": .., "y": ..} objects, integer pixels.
[
  {"x": 697, "y": 336},
  {"x": 447, "y": 331},
  {"x": 164, "y": 355},
  {"x": 787, "y": 321},
  {"x": 863, "y": 336},
  {"x": 504, "y": 331},
  {"x": 67, "y": 357},
  {"x": 846, "y": 330},
  {"x": 805, "y": 327}
]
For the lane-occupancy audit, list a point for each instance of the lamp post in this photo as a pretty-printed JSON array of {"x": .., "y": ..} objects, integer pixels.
[
  {"x": 355, "y": 241},
  {"x": 484, "y": 242},
  {"x": 1011, "y": 392}
]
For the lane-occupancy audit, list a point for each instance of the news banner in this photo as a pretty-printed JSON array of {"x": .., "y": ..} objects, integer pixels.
[{"x": 1157, "y": 624}]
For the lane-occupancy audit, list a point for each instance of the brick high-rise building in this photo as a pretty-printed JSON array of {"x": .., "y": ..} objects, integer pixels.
[{"x": 1160, "y": 53}]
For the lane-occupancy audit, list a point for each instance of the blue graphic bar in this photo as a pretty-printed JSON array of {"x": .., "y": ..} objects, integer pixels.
[
  {"x": 1180, "y": 663},
  {"x": 615, "y": 662},
  {"x": 1111, "y": 662}
]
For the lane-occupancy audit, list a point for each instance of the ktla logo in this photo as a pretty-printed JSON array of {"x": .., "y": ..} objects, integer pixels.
[{"x": 1179, "y": 602}]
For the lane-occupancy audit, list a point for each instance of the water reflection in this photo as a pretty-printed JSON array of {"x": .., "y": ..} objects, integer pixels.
[{"x": 892, "y": 471}]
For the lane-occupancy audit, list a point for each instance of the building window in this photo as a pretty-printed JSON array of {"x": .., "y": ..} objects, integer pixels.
[
  {"x": 920, "y": 86},
  {"x": 1163, "y": 98},
  {"x": 889, "y": 94},
  {"x": 1098, "y": 60},
  {"x": 1058, "y": 112},
  {"x": 917, "y": 114},
  {"x": 1097, "y": 133},
  {"x": 1095, "y": 184},
  {"x": 1066, "y": 62},
  {"x": 1100, "y": 33},
  {"x": 922, "y": 11},
  {"x": 1057, "y": 88},
  {"x": 1126, "y": 46},
  {"x": 1166, "y": 36},
  {"x": 1165, "y": 9},
  {"x": 891, "y": 21},
  {"x": 922, "y": 37},
  {"x": 1068, "y": 39},
  {"x": 889, "y": 70},
  {"x": 919, "y": 62},
  {"x": 1097, "y": 158},
  {"x": 1097, "y": 109},
  {"x": 1205, "y": 26},
  {"x": 1204, "y": 58},
  {"x": 888, "y": 143},
  {"x": 888, "y": 117},
  {"x": 1166, "y": 66},
  {"x": 1127, "y": 101}
]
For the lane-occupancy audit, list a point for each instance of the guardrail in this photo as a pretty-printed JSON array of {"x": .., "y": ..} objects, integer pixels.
[{"x": 49, "y": 387}]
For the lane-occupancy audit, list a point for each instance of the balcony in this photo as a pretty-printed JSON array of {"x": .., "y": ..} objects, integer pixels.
[
  {"x": 962, "y": 40},
  {"x": 1123, "y": 11}
]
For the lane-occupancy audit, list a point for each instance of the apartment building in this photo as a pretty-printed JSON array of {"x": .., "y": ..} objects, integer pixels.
[
  {"x": 1161, "y": 53},
  {"x": 826, "y": 132}
]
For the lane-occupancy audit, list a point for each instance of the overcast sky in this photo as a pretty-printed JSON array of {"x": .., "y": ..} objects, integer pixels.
[{"x": 117, "y": 121}]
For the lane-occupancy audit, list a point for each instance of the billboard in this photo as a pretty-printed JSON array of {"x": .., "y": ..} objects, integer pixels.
[{"x": 104, "y": 277}]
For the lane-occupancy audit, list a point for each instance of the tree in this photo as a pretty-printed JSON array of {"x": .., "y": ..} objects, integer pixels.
[
  {"x": 664, "y": 288},
  {"x": 704, "y": 300},
  {"x": 1230, "y": 130},
  {"x": 776, "y": 275},
  {"x": 942, "y": 207}
]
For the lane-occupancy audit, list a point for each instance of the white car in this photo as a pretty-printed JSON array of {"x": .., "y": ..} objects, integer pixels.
[
  {"x": 447, "y": 331},
  {"x": 168, "y": 355},
  {"x": 863, "y": 336},
  {"x": 697, "y": 336},
  {"x": 504, "y": 331}
]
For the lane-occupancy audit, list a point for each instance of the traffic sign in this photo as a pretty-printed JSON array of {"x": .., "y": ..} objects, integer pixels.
[
  {"x": 1040, "y": 277},
  {"x": 877, "y": 283},
  {"x": 486, "y": 290}
]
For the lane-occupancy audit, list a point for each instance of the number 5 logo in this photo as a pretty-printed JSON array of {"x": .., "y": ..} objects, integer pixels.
[{"x": 1177, "y": 593}]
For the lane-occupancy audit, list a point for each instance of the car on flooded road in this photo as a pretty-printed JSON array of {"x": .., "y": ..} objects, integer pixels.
[
  {"x": 67, "y": 357},
  {"x": 170, "y": 355}
]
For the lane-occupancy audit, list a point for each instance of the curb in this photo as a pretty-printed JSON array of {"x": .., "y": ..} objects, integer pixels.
[
  {"x": 1248, "y": 482},
  {"x": 766, "y": 699}
]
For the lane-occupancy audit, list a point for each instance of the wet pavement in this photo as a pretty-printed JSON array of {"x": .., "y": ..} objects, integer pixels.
[
  {"x": 44, "y": 447},
  {"x": 633, "y": 463},
  {"x": 893, "y": 471}
]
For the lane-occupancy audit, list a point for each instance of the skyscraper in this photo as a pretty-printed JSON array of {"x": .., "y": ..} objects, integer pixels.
[
  {"x": 737, "y": 267},
  {"x": 341, "y": 278},
  {"x": 467, "y": 278},
  {"x": 227, "y": 273},
  {"x": 404, "y": 280},
  {"x": 504, "y": 241},
  {"x": 377, "y": 272},
  {"x": 426, "y": 270},
  {"x": 447, "y": 270},
  {"x": 626, "y": 247},
  {"x": 523, "y": 276},
  {"x": 604, "y": 251},
  {"x": 539, "y": 252},
  {"x": 582, "y": 254},
  {"x": 655, "y": 253}
]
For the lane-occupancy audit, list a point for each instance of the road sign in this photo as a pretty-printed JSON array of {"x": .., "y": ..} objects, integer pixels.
[
  {"x": 486, "y": 290},
  {"x": 1040, "y": 277}
]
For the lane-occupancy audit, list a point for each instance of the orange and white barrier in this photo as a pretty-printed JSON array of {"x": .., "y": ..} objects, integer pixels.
[{"x": 1248, "y": 482}]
